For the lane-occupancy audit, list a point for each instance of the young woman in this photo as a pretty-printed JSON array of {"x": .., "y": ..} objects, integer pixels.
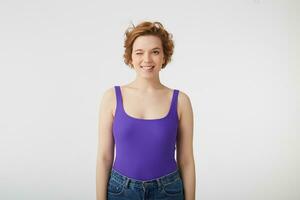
[{"x": 146, "y": 121}]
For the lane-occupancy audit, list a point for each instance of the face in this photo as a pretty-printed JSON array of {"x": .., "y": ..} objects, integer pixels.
[{"x": 147, "y": 56}]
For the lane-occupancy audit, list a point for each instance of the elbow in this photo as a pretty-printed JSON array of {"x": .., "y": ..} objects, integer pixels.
[
  {"x": 186, "y": 162},
  {"x": 105, "y": 161}
]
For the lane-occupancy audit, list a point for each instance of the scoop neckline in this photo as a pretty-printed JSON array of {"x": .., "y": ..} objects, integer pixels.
[{"x": 141, "y": 119}]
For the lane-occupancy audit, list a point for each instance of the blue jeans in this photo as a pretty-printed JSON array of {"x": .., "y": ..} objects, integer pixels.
[{"x": 168, "y": 187}]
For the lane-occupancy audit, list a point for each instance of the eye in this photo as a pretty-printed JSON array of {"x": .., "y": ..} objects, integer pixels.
[{"x": 156, "y": 52}]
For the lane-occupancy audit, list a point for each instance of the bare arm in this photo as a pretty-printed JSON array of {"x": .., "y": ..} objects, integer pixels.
[
  {"x": 184, "y": 154},
  {"x": 105, "y": 152}
]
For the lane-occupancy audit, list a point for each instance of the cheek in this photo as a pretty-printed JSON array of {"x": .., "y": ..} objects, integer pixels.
[{"x": 135, "y": 60}]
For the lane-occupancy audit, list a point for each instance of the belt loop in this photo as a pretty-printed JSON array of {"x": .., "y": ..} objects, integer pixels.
[
  {"x": 159, "y": 182},
  {"x": 127, "y": 182},
  {"x": 143, "y": 184}
]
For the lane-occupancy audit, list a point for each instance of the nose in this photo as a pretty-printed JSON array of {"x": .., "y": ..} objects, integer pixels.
[{"x": 147, "y": 57}]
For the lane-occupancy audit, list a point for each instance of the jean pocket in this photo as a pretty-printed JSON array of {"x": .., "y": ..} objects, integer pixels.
[
  {"x": 174, "y": 188},
  {"x": 114, "y": 188}
]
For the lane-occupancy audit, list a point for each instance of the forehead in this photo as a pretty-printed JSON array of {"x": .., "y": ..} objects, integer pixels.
[{"x": 147, "y": 42}]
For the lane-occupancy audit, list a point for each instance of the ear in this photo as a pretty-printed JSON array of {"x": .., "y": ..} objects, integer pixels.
[{"x": 130, "y": 64}]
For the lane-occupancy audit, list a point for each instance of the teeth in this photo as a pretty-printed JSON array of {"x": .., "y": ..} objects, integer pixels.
[{"x": 147, "y": 67}]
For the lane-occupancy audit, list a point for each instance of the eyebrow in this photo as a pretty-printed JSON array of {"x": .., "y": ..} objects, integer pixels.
[{"x": 142, "y": 49}]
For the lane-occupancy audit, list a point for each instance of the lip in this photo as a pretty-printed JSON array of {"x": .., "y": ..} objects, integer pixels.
[
  {"x": 148, "y": 68},
  {"x": 147, "y": 65}
]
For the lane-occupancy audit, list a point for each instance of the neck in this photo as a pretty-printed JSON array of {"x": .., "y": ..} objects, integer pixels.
[{"x": 147, "y": 84}]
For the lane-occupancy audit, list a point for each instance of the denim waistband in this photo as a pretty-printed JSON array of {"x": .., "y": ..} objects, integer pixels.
[{"x": 124, "y": 180}]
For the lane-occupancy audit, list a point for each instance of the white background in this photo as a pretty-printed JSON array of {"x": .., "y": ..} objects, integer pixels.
[{"x": 236, "y": 59}]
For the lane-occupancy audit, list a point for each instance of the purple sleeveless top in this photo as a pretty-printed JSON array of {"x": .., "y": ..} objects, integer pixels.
[{"x": 145, "y": 148}]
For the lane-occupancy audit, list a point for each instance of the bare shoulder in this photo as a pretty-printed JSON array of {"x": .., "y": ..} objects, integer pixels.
[
  {"x": 108, "y": 100},
  {"x": 184, "y": 103},
  {"x": 183, "y": 97},
  {"x": 108, "y": 95}
]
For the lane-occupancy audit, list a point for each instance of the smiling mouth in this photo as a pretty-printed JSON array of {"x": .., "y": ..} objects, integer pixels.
[{"x": 147, "y": 67}]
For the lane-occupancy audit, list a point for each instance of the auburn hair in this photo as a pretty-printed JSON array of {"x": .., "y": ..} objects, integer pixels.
[{"x": 148, "y": 28}]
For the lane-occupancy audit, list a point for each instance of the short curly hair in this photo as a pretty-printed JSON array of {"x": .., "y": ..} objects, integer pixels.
[{"x": 148, "y": 28}]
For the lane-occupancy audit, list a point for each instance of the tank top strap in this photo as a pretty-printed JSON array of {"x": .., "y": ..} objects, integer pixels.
[
  {"x": 174, "y": 102},
  {"x": 118, "y": 97}
]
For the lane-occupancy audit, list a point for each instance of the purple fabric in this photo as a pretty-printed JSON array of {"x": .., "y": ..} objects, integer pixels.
[{"x": 145, "y": 148}]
